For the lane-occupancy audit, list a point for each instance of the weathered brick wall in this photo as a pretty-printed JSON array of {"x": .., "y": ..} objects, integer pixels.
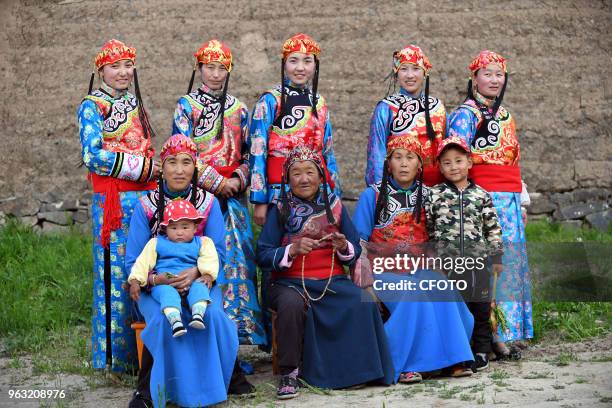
[{"x": 559, "y": 59}]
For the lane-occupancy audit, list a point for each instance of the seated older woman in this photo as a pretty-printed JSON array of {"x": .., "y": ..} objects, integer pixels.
[
  {"x": 195, "y": 369},
  {"x": 326, "y": 334}
]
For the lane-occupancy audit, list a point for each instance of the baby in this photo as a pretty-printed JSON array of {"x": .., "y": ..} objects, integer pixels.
[{"x": 177, "y": 251}]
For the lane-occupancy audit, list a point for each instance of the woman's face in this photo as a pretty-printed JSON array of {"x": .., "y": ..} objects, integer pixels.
[
  {"x": 304, "y": 179},
  {"x": 489, "y": 80},
  {"x": 213, "y": 75},
  {"x": 118, "y": 75},
  {"x": 404, "y": 167},
  {"x": 177, "y": 171},
  {"x": 410, "y": 77},
  {"x": 300, "y": 68}
]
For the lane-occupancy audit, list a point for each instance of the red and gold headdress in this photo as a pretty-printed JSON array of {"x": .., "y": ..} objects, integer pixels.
[
  {"x": 113, "y": 51},
  {"x": 214, "y": 51},
  {"x": 409, "y": 143},
  {"x": 485, "y": 58},
  {"x": 177, "y": 144},
  {"x": 411, "y": 54},
  {"x": 303, "y": 153},
  {"x": 301, "y": 43}
]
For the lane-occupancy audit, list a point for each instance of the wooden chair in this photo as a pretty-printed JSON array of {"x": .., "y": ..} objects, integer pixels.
[{"x": 138, "y": 328}]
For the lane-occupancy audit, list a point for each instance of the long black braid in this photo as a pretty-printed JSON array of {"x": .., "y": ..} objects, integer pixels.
[
  {"x": 191, "y": 80},
  {"x": 383, "y": 199},
  {"x": 315, "y": 86},
  {"x": 328, "y": 211},
  {"x": 283, "y": 98},
  {"x": 91, "y": 81},
  {"x": 142, "y": 113},
  {"x": 222, "y": 108},
  {"x": 416, "y": 215},
  {"x": 430, "y": 131},
  {"x": 161, "y": 204},
  {"x": 194, "y": 186}
]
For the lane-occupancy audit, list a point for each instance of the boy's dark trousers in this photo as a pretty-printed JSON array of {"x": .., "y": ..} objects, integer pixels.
[{"x": 477, "y": 297}]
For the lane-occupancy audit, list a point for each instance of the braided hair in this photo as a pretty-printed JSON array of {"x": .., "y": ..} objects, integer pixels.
[
  {"x": 142, "y": 113},
  {"x": 315, "y": 87},
  {"x": 383, "y": 196}
]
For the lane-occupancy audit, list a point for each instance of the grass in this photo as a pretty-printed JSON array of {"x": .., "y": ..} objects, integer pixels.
[{"x": 46, "y": 293}]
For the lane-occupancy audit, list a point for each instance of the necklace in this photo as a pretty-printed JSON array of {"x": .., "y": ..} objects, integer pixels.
[{"x": 326, "y": 285}]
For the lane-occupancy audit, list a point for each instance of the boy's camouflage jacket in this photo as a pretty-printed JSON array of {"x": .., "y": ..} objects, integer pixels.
[{"x": 464, "y": 223}]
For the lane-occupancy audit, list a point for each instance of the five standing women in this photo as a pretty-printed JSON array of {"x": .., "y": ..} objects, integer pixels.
[{"x": 116, "y": 147}]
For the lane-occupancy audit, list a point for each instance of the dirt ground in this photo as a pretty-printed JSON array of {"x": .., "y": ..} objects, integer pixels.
[{"x": 549, "y": 375}]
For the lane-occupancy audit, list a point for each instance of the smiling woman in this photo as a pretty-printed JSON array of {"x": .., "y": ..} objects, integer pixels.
[
  {"x": 489, "y": 130},
  {"x": 411, "y": 112},
  {"x": 116, "y": 149}
]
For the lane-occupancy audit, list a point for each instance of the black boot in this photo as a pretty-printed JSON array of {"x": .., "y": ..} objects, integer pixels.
[
  {"x": 238, "y": 383},
  {"x": 140, "y": 401}
]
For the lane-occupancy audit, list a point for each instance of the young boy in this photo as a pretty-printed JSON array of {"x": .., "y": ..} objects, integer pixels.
[
  {"x": 463, "y": 222},
  {"x": 171, "y": 254}
]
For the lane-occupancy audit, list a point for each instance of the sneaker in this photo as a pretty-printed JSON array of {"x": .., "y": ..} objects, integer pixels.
[
  {"x": 178, "y": 329},
  {"x": 288, "y": 387},
  {"x": 197, "y": 321},
  {"x": 140, "y": 401},
  {"x": 481, "y": 362}
]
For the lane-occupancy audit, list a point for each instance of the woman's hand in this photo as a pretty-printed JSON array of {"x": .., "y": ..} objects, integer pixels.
[
  {"x": 339, "y": 242},
  {"x": 135, "y": 290},
  {"x": 231, "y": 187},
  {"x": 259, "y": 214},
  {"x": 207, "y": 280},
  {"x": 183, "y": 281},
  {"x": 303, "y": 246}
]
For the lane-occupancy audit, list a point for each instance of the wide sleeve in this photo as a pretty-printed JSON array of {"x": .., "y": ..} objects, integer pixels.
[
  {"x": 144, "y": 263},
  {"x": 104, "y": 162},
  {"x": 242, "y": 172},
  {"x": 363, "y": 216},
  {"x": 138, "y": 235},
  {"x": 261, "y": 121},
  {"x": 462, "y": 123},
  {"x": 208, "y": 261},
  {"x": 352, "y": 236},
  {"x": 380, "y": 125},
  {"x": 492, "y": 230},
  {"x": 182, "y": 122},
  {"x": 269, "y": 252},
  {"x": 330, "y": 157}
]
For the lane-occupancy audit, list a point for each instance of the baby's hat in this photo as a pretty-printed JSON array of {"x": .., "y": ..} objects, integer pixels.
[{"x": 180, "y": 209}]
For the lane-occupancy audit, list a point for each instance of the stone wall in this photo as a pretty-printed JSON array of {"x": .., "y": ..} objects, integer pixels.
[{"x": 559, "y": 91}]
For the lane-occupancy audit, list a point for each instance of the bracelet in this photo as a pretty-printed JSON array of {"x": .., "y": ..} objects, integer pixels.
[{"x": 154, "y": 275}]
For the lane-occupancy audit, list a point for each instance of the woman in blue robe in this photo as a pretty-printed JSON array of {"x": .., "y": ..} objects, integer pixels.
[
  {"x": 195, "y": 369},
  {"x": 328, "y": 332},
  {"x": 426, "y": 330}
]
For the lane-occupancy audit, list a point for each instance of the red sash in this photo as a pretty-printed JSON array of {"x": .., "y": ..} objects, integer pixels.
[
  {"x": 274, "y": 170},
  {"x": 226, "y": 171},
  {"x": 316, "y": 266},
  {"x": 111, "y": 187},
  {"x": 497, "y": 177}
]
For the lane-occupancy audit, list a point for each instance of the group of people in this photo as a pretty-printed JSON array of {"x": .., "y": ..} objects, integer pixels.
[{"x": 173, "y": 234}]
